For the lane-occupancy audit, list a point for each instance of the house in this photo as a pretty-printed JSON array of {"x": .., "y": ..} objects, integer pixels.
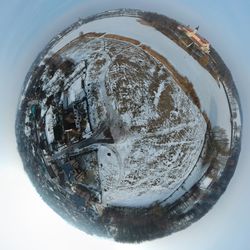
[
  {"x": 201, "y": 42},
  {"x": 205, "y": 182}
]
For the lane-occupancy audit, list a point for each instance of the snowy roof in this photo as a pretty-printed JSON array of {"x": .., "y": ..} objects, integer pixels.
[{"x": 49, "y": 125}]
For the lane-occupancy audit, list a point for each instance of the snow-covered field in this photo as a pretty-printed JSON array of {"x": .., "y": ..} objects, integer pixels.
[
  {"x": 213, "y": 98},
  {"x": 158, "y": 131}
]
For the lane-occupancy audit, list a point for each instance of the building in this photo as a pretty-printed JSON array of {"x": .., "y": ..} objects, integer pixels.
[
  {"x": 201, "y": 42},
  {"x": 205, "y": 182}
]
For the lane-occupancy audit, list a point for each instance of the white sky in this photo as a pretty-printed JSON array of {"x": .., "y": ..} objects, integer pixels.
[{"x": 25, "y": 28}]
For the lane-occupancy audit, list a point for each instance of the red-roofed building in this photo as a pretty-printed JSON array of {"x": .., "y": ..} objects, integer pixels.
[{"x": 201, "y": 42}]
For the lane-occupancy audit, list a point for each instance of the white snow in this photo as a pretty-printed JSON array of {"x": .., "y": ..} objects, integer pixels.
[
  {"x": 75, "y": 91},
  {"x": 158, "y": 94},
  {"x": 49, "y": 124}
]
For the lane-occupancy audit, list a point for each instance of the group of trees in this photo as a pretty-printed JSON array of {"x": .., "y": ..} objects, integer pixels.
[
  {"x": 217, "y": 144},
  {"x": 160, "y": 22},
  {"x": 56, "y": 62}
]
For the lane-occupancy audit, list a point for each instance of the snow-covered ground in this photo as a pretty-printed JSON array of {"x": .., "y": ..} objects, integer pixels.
[
  {"x": 213, "y": 98},
  {"x": 158, "y": 131}
]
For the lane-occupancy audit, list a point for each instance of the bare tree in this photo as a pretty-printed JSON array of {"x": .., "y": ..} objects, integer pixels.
[
  {"x": 218, "y": 144},
  {"x": 220, "y": 140}
]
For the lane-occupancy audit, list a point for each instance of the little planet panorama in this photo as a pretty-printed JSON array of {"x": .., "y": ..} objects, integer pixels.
[{"x": 129, "y": 125}]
